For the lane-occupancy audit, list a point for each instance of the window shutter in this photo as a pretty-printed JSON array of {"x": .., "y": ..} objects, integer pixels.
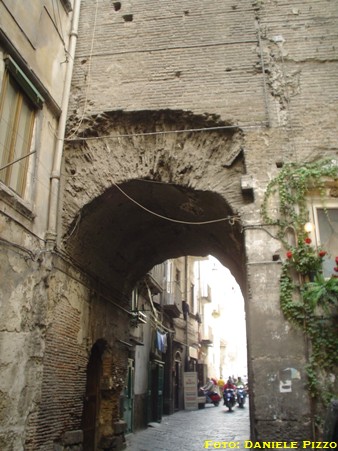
[{"x": 23, "y": 81}]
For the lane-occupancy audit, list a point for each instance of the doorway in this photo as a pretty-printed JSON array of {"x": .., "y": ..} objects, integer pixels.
[
  {"x": 177, "y": 380},
  {"x": 128, "y": 397},
  {"x": 92, "y": 400}
]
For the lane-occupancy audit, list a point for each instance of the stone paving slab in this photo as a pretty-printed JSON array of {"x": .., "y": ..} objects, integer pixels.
[{"x": 189, "y": 431}]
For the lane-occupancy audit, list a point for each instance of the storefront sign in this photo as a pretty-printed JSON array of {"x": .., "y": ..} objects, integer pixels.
[{"x": 190, "y": 391}]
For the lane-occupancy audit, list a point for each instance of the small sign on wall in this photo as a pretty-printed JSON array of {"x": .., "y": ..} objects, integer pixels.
[{"x": 190, "y": 391}]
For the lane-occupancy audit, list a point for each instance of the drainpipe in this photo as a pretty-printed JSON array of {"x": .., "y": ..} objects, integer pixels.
[{"x": 51, "y": 233}]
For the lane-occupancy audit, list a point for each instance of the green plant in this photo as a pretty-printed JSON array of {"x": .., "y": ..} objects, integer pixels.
[
  {"x": 305, "y": 258},
  {"x": 285, "y": 201},
  {"x": 321, "y": 292},
  {"x": 305, "y": 298}
]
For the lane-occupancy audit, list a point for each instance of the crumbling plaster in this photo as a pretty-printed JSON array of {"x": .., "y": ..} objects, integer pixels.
[{"x": 189, "y": 177}]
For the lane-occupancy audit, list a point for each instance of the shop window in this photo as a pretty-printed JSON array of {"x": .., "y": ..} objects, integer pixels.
[{"x": 18, "y": 104}]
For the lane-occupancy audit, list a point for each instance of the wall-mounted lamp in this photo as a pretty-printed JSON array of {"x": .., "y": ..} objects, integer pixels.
[
  {"x": 215, "y": 314},
  {"x": 308, "y": 227}
]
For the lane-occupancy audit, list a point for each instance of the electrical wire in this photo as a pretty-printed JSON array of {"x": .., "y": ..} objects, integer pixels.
[
  {"x": 166, "y": 48},
  {"x": 230, "y": 219},
  {"x": 167, "y": 132}
]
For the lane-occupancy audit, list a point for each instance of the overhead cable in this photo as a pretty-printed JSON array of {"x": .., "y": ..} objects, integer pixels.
[
  {"x": 167, "y": 132},
  {"x": 230, "y": 219}
]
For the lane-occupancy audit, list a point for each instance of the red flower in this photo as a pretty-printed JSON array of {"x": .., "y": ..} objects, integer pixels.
[
  {"x": 308, "y": 240},
  {"x": 336, "y": 259},
  {"x": 289, "y": 254},
  {"x": 335, "y": 268},
  {"x": 322, "y": 254}
]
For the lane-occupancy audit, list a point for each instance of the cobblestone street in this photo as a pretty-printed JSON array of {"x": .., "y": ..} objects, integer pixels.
[{"x": 189, "y": 430}]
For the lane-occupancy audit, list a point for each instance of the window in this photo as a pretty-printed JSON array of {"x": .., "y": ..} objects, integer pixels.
[
  {"x": 326, "y": 229},
  {"x": 19, "y": 101},
  {"x": 178, "y": 277},
  {"x": 134, "y": 299}
]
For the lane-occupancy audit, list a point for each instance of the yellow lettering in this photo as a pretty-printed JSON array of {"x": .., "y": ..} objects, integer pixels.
[
  {"x": 207, "y": 443},
  {"x": 248, "y": 444}
]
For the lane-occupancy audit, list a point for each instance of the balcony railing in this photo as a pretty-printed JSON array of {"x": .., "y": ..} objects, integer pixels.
[
  {"x": 158, "y": 274},
  {"x": 156, "y": 278},
  {"x": 207, "y": 336},
  {"x": 206, "y": 294},
  {"x": 172, "y": 299},
  {"x": 172, "y": 294}
]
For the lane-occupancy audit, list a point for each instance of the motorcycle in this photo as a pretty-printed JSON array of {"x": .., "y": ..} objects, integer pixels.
[
  {"x": 211, "y": 397},
  {"x": 229, "y": 398},
  {"x": 241, "y": 395}
]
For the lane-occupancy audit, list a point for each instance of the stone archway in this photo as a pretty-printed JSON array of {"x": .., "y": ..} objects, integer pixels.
[
  {"x": 121, "y": 241},
  {"x": 139, "y": 190},
  {"x": 133, "y": 200},
  {"x": 127, "y": 176}
]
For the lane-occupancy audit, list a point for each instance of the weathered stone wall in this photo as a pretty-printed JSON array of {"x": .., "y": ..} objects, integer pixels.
[
  {"x": 279, "y": 407},
  {"x": 64, "y": 361},
  {"x": 269, "y": 67},
  {"x": 22, "y": 331},
  {"x": 76, "y": 317},
  {"x": 199, "y": 56}
]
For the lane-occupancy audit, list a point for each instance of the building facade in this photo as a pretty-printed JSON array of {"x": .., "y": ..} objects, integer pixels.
[
  {"x": 133, "y": 134},
  {"x": 165, "y": 340}
]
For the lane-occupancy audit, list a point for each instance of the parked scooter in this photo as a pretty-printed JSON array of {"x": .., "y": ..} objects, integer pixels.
[
  {"x": 241, "y": 395},
  {"x": 229, "y": 398},
  {"x": 211, "y": 397}
]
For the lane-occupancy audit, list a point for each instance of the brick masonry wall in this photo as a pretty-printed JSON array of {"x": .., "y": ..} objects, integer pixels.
[
  {"x": 70, "y": 333},
  {"x": 269, "y": 66},
  {"x": 65, "y": 360},
  {"x": 197, "y": 56}
]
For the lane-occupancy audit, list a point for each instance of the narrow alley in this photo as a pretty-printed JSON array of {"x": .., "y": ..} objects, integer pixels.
[{"x": 191, "y": 431}]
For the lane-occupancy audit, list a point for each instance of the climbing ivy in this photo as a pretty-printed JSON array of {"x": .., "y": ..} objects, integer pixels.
[
  {"x": 305, "y": 295},
  {"x": 291, "y": 187}
]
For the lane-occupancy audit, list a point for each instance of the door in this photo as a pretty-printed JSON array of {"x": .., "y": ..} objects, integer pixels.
[
  {"x": 92, "y": 400},
  {"x": 177, "y": 380},
  {"x": 155, "y": 391},
  {"x": 128, "y": 398}
]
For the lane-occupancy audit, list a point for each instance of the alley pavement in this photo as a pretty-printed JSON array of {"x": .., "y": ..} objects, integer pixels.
[{"x": 191, "y": 430}]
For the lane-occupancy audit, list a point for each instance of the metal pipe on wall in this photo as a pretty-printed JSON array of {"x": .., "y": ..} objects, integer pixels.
[{"x": 54, "y": 198}]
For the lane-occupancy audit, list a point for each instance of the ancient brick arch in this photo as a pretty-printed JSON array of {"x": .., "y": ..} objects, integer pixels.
[{"x": 143, "y": 187}]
